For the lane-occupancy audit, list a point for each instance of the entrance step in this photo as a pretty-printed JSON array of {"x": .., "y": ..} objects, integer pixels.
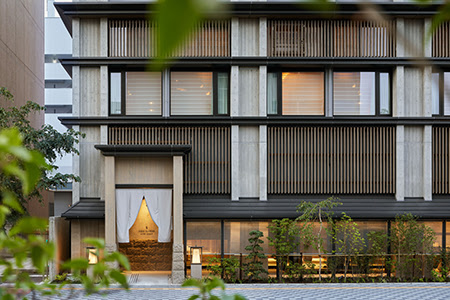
[{"x": 148, "y": 277}]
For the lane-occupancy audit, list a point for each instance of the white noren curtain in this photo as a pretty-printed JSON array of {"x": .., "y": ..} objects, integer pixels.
[{"x": 159, "y": 203}]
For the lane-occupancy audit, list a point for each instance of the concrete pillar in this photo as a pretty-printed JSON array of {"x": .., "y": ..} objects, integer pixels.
[
  {"x": 110, "y": 204},
  {"x": 262, "y": 36},
  {"x": 399, "y": 92},
  {"x": 427, "y": 41},
  {"x": 76, "y": 171},
  {"x": 427, "y": 103},
  {"x": 262, "y": 91},
  {"x": 235, "y": 36},
  {"x": 400, "y": 37},
  {"x": 52, "y": 264},
  {"x": 234, "y": 91},
  {"x": 400, "y": 163},
  {"x": 104, "y": 37},
  {"x": 427, "y": 163},
  {"x": 178, "y": 250},
  {"x": 104, "y": 91},
  {"x": 263, "y": 162},
  {"x": 76, "y": 37},
  {"x": 235, "y": 163}
]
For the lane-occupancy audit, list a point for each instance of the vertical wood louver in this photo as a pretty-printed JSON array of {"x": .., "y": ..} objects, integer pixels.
[
  {"x": 137, "y": 38},
  {"x": 207, "y": 168},
  {"x": 331, "y": 160},
  {"x": 441, "y": 160},
  {"x": 330, "y": 38},
  {"x": 441, "y": 41}
]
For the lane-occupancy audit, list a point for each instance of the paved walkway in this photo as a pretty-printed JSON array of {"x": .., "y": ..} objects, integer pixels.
[{"x": 382, "y": 291}]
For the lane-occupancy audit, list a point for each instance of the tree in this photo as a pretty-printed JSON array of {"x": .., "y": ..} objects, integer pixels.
[
  {"x": 349, "y": 241},
  {"x": 46, "y": 140},
  {"x": 283, "y": 238},
  {"x": 315, "y": 212},
  {"x": 254, "y": 268},
  {"x": 410, "y": 240},
  {"x": 25, "y": 167}
]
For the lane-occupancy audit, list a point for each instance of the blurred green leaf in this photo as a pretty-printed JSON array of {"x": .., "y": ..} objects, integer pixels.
[
  {"x": 28, "y": 225},
  {"x": 120, "y": 258},
  {"x": 10, "y": 200},
  {"x": 119, "y": 277},
  {"x": 76, "y": 264},
  {"x": 97, "y": 243}
]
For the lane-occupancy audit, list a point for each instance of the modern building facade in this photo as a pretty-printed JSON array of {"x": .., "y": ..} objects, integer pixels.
[
  {"x": 268, "y": 106},
  {"x": 22, "y": 63}
]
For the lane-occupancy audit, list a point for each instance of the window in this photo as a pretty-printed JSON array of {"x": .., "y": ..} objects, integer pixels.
[
  {"x": 440, "y": 93},
  {"x": 142, "y": 93},
  {"x": 191, "y": 93},
  {"x": 199, "y": 93},
  {"x": 361, "y": 93},
  {"x": 301, "y": 93}
]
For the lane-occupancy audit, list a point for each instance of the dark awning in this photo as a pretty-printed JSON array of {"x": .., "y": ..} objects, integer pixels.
[
  {"x": 357, "y": 207},
  {"x": 144, "y": 150},
  {"x": 86, "y": 208}
]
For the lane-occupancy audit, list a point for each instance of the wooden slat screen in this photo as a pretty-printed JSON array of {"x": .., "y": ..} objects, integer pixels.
[
  {"x": 137, "y": 38},
  {"x": 330, "y": 38},
  {"x": 331, "y": 160},
  {"x": 441, "y": 41},
  {"x": 207, "y": 168},
  {"x": 441, "y": 160}
]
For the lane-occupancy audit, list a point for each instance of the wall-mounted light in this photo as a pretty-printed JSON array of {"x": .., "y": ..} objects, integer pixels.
[{"x": 92, "y": 254}]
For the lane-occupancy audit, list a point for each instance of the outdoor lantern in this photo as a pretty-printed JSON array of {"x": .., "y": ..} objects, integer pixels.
[
  {"x": 196, "y": 262},
  {"x": 196, "y": 255},
  {"x": 92, "y": 255}
]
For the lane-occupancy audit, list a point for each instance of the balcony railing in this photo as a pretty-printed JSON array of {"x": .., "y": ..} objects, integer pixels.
[
  {"x": 331, "y": 160},
  {"x": 330, "y": 38},
  {"x": 138, "y": 38},
  {"x": 207, "y": 168},
  {"x": 441, "y": 41}
]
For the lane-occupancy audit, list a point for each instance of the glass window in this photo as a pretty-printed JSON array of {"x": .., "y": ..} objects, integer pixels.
[
  {"x": 143, "y": 93},
  {"x": 116, "y": 93},
  {"x": 191, "y": 93},
  {"x": 437, "y": 229},
  {"x": 303, "y": 93},
  {"x": 272, "y": 93},
  {"x": 354, "y": 93},
  {"x": 236, "y": 235},
  {"x": 203, "y": 234},
  {"x": 385, "y": 94},
  {"x": 222, "y": 93},
  {"x": 446, "y": 90},
  {"x": 435, "y": 93}
]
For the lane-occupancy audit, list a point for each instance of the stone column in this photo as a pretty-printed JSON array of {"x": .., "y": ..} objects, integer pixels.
[
  {"x": 110, "y": 204},
  {"x": 178, "y": 249}
]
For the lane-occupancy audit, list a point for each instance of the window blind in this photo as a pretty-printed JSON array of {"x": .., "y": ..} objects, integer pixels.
[
  {"x": 191, "y": 93},
  {"x": 354, "y": 93},
  {"x": 303, "y": 93},
  {"x": 143, "y": 94}
]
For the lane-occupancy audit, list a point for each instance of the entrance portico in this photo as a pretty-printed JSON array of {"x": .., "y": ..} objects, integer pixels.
[{"x": 146, "y": 166}]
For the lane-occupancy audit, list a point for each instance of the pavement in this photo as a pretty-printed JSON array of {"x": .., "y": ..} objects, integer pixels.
[{"x": 341, "y": 291}]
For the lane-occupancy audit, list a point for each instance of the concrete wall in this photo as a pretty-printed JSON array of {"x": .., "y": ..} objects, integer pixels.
[
  {"x": 81, "y": 229},
  {"x": 248, "y": 91},
  {"x": 144, "y": 170},
  {"x": 91, "y": 164},
  {"x": 62, "y": 201},
  {"x": 249, "y": 161},
  {"x": 413, "y": 175}
]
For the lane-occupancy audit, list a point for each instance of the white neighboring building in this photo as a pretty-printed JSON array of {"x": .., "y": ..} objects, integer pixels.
[{"x": 58, "y": 92}]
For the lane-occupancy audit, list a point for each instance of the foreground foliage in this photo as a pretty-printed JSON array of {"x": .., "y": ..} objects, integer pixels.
[{"x": 24, "y": 241}]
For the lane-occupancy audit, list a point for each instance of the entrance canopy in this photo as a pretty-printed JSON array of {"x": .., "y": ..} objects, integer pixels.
[{"x": 159, "y": 204}]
